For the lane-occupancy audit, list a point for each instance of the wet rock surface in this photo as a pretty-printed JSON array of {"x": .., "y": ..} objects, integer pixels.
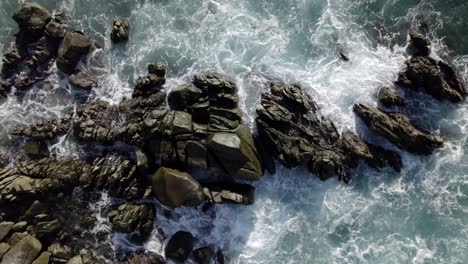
[
  {"x": 398, "y": 129},
  {"x": 296, "y": 134},
  {"x": 389, "y": 97},
  {"x": 120, "y": 30},
  {"x": 128, "y": 218},
  {"x": 179, "y": 246}
]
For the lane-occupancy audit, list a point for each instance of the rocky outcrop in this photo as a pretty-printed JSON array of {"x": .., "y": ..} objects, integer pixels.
[
  {"x": 180, "y": 246},
  {"x": 39, "y": 179},
  {"x": 389, "y": 97},
  {"x": 423, "y": 73},
  {"x": 128, "y": 218},
  {"x": 74, "y": 46},
  {"x": 31, "y": 19},
  {"x": 293, "y": 132},
  {"x": 175, "y": 188},
  {"x": 398, "y": 129},
  {"x": 120, "y": 30}
]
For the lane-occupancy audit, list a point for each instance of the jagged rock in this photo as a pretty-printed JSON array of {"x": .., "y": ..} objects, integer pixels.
[
  {"x": 82, "y": 80},
  {"x": 389, "y": 97},
  {"x": 180, "y": 246},
  {"x": 293, "y": 132},
  {"x": 11, "y": 60},
  {"x": 46, "y": 231},
  {"x": 74, "y": 46},
  {"x": 5, "y": 228},
  {"x": 419, "y": 43},
  {"x": 437, "y": 79},
  {"x": 24, "y": 252},
  {"x": 128, "y": 218},
  {"x": 36, "y": 149},
  {"x": 175, "y": 188},
  {"x": 148, "y": 85},
  {"x": 32, "y": 18},
  {"x": 144, "y": 258},
  {"x": 31, "y": 180},
  {"x": 120, "y": 30},
  {"x": 43, "y": 258},
  {"x": 398, "y": 129},
  {"x": 230, "y": 193}
]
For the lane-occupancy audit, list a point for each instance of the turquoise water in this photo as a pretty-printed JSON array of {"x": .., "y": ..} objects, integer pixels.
[{"x": 418, "y": 216}]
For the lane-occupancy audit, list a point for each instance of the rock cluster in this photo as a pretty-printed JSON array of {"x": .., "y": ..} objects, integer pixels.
[
  {"x": 120, "y": 30},
  {"x": 129, "y": 218},
  {"x": 42, "y": 39},
  {"x": 292, "y": 130}
]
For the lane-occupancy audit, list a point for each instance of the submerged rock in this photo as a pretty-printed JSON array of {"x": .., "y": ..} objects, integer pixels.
[
  {"x": 398, "y": 129},
  {"x": 180, "y": 246},
  {"x": 120, "y": 30},
  {"x": 175, "y": 188},
  {"x": 389, "y": 97}
]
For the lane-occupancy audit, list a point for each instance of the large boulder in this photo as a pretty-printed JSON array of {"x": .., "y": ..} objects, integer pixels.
[
  {"x": 23, "y": 252},
  {"x": 128, "y": 218},
  {"x": 74, "y": 46},
  {"x": 32, "y": 18},
  {"x": 235, "y": 155},
  {"x": 180, "y": 246},
  {"x": 398, "y": 129},
  {"x": 175, "y": 188}
]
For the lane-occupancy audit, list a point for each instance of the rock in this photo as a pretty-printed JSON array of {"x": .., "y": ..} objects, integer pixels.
[
  {"x": 159, "y": 69},
  {"x": 20, "y": 226},
  {"x": 60, "y": 251},
  {"x": 180, "y": 246},
  {"x": 128, "y": 218},
  {"x": 183, "y": 97},
  {"x": 398, "y": 129},
  {"x": 55, "y": 30},
  {"x": 436, "y": 79},
  {"x": 4, "y": 247},
  {"x": 175, "y": 188},
  {"x": 230, "y": 193},
  {"x": 235, "y": 155},
  {"x": 36, "y": 149},
  {"x": 144, "y": 258},
  {"x": 74, "y": 46},
  {"x": 32, "y": 18},
  {"x": 142, "y": 162},
  {"x": 292, "y": 131},
  {"x": 419, "y": 43},
  {"x": 148, "y": 85},
  {"x": 10, "y": 62},
  {"x": 75, "y": 260},
  {"x": 203, "y": 255},
  {"x": 24, "y": 252},
  {"x": 83, "y": 81},
  {"x": 47, "y": 231},
  {"x": 5, "y": 228},
  {"x": 388, "y": 97},
  {"x": 120, "y": 30},
  {"x": 15, "y": 238},
  {"x": 43, "y": 258}
]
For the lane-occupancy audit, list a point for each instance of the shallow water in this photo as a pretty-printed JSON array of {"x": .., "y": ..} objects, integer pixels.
[{"x": 418, "y": 216}]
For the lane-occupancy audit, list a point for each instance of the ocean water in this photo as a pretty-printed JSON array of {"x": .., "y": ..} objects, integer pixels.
[{"x": 417, "y": 216}]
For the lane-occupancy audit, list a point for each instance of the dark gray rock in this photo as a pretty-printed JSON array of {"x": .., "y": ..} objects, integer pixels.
[
  {"x": 419, "y": 43},
  {"x": 128, "y": 218},
  {"x": 74, "y": 46},
  {"x": 398, "y": 129},
  {"x": 180, "y": 246},
  {"x": 120, "y": 30},
  {"x": 389, "y": 97},
  {"x": 24, "y": 252},
  {"x": 83, "y": 81},
  {"x": 32, "y": 18}
]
